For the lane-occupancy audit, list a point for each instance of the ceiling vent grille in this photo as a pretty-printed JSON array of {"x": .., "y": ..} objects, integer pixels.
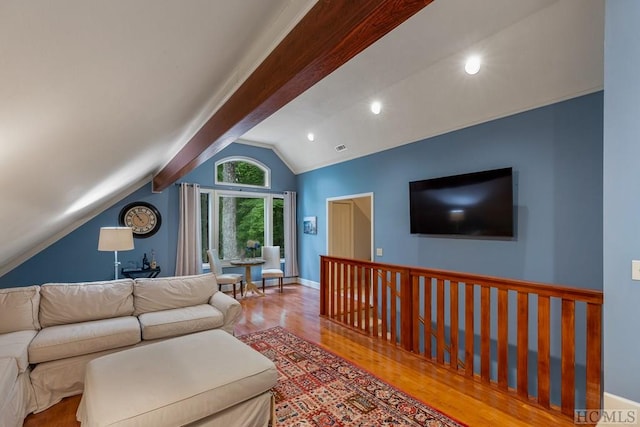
[{"x": 340, "y": 147}]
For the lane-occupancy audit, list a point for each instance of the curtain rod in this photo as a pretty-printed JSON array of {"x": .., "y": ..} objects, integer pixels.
[{"x": 259, "y": 190}]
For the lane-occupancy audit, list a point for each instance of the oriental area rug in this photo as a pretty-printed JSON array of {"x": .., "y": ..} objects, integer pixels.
[{"x": 317, "y": 388}]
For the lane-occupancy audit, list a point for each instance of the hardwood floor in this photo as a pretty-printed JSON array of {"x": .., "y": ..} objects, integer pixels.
[{"x": 297, "y": 308}]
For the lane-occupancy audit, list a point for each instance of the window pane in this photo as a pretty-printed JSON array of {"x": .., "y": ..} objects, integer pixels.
[
  {"x": 239, "y": 172},
  {"x": 240, "y": 219},
  {"x": 204, "y": 221},
  {"x": 278, "y": 224}
]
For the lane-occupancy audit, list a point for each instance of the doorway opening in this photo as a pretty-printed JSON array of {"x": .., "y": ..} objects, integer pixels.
[{"x": 350, "y": 226}]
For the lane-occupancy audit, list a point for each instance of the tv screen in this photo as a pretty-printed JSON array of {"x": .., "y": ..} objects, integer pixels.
[{"x": 473, "y": 204}]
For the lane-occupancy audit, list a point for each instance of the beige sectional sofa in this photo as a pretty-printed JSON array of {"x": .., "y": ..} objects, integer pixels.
[{"x": 49, "y": 333}]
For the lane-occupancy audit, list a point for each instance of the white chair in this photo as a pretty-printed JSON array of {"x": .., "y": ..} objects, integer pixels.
[
  {"x": 271, "y": 267},
  {"x": 222, "y": 278}
]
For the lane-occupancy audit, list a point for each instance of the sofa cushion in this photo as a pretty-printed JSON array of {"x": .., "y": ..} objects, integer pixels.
[
  {"x": 179, "y": 321},
  {"x": 15, "y": 345},
  {"x": 57, "y": 342},
  {"x": 165, "y": 293},
  {"x": 64, "y": 303},
  {"x": 8, "y": 376},
  {"x": 19, "y": 309}
]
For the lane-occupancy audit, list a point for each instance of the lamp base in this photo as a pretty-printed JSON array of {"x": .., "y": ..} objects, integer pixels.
[{"x": 115, "y": 265}]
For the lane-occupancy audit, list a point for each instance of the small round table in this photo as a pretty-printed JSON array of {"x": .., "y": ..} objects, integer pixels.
[{"x": 247, "y": 264}]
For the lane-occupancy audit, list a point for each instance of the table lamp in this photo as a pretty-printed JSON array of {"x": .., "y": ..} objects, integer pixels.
[{"x": 115, "y": 239}]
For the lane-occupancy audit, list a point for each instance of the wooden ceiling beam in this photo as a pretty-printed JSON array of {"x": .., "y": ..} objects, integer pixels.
[{"x": 329, "y": 35}]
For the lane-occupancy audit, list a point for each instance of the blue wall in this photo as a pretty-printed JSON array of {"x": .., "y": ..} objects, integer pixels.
[
  {"x": 75, "y": 257},
  {"x": 621, "y": 200},
  {"x": 556, "y": 154}
]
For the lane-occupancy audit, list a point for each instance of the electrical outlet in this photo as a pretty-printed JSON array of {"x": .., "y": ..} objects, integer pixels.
[
  {"x": 635, "y": 270},
  {"x": 379, "y": 252}
]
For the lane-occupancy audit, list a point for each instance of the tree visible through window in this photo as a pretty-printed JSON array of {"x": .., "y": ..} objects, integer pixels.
[
  {"x": 240, "y": 171},
  {"x": 241, "y": 219}
]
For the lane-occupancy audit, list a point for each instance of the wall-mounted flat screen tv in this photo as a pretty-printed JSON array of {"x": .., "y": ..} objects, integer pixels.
[{"x": 473, "y": 204}]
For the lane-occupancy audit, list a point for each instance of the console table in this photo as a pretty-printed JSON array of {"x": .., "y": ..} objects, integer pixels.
[
  {"x": 247, "y": 264},
  {"x": 139, "y": 272}
]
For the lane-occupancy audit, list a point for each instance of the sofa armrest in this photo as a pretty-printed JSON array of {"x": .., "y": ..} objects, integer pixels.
[{"x": 230, "y": 308}]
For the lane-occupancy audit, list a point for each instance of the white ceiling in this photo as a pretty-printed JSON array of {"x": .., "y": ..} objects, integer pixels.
[
  {"x": 535, "y": 52},
  {"x": 95, "y": 97}
]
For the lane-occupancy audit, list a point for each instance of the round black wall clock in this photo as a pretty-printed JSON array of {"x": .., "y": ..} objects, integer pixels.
[{"x": 143, "y": 218}]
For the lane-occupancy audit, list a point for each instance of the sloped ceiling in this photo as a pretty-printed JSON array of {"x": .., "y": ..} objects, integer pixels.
[{"x": 96, "y": 97}]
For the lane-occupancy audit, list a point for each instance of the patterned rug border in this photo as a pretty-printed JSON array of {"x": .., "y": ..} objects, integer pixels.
[{"x": 356, "y": 365}]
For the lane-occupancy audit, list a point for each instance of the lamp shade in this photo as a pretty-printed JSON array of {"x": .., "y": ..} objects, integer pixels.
[{"x": 115, "y": 239}]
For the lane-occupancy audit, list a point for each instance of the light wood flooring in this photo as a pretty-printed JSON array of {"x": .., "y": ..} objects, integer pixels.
[{"x": 297, "y": 308}]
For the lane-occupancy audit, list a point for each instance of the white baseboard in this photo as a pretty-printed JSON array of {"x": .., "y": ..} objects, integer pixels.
[
  {"x": 619, "y": 411},
  {"x": 309, "y": 283},
  {"x": 292, "y": 280}
]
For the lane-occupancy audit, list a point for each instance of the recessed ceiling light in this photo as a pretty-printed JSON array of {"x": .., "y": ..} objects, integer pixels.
[
  {"x": 376, "y": 107},
  {"x": 311, "y": 137},
  {"x": 472, "y": 66}
]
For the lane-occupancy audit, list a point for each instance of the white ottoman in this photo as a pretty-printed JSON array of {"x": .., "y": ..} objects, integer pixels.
[{"x": 208, "y": 378}]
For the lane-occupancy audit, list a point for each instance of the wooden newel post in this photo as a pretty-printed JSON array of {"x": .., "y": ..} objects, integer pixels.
[
  {"x": 406, "y": 311},
  {"x": 323, "y": 287}
]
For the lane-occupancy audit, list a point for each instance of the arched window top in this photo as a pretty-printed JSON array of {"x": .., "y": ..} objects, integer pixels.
[{"x": 241, "y": 171}]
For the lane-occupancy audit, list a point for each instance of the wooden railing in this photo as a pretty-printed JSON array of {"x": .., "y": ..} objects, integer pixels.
[{"x": 455, "y": 318}]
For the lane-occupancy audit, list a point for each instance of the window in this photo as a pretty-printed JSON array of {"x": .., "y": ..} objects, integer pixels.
[
  {"x": 242, "y": 172},
  {"x": 231, "y": 218}
]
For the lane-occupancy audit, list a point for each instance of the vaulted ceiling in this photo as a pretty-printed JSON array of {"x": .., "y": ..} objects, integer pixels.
[{"x": 98, "y": 97}]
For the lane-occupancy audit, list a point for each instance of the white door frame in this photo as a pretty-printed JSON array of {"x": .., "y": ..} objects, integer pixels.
[{"x": 351, "y": 196}]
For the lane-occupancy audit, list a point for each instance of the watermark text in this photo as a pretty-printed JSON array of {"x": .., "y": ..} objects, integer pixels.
[{"x": 605, "y": 416}]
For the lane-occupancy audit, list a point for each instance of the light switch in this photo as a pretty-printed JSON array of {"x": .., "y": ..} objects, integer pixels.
[
  {"x": 379, "y": 252},
  {"x": 635, "y": 270}
]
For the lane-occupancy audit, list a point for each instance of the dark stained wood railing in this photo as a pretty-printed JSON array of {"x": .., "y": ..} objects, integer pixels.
[{"x": 407, "y": 307}]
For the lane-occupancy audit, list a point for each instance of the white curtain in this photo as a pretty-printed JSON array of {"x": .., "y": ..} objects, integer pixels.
[
  {"x": 189, "y": 258},
  {"x": 290, "y": 235}
]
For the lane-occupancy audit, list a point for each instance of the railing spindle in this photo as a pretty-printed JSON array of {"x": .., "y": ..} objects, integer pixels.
[
  {"x": 594, "y": 356},
  {"x": 523, "y": 344},
  {"x": 350, "y": 291},
  {"x": 543, "y": 350},
  {"x": 384, "y": 304},
  {"x": 334, "y": 290},
  {"x": 415, "y": 285},
  {"x": 376, "y": 306},
  {"x": 440, "y": 321},
  {"x": 367, "y": 299},
  {"x": 361, "y": 308},
  {"x": 568, "y": 356},
  {"x": 427, "y": 317},
  {"x": 469, "y": 333},
  {"x": 406, "y": 324},
  {"x": 453, "y": 310},
  {"x": 393, "y": 287},
  {"x": 485, "y": 333},
  {"x": 503, "y": 339}
]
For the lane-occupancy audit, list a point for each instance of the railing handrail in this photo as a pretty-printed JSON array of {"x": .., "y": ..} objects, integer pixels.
[{"x": 557, "y": 291}]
